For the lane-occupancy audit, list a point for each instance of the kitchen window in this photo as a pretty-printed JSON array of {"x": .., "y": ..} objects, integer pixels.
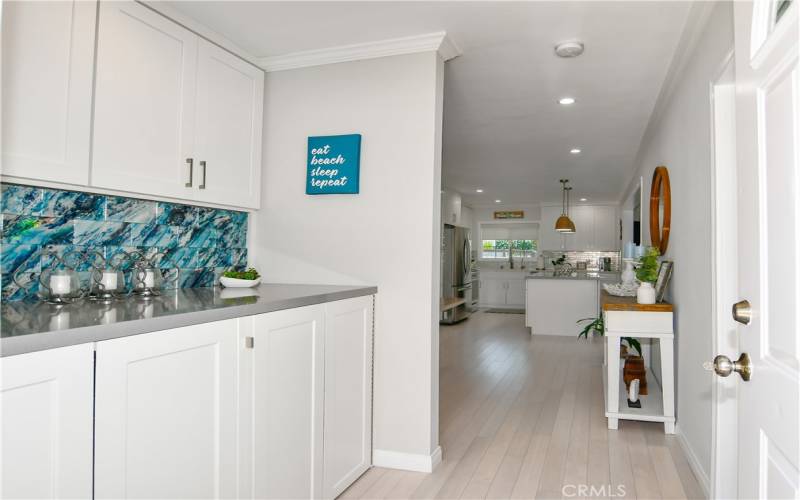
[
  {"x": 500, "y": 238},
  {"x": 498, "y": 249}
]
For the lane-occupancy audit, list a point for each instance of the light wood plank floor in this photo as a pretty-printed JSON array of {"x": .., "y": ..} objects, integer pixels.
[{"x": 522, "y": 417}]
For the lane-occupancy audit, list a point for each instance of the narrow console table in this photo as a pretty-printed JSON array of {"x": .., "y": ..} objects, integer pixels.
[{"x": 623, "y": 317}]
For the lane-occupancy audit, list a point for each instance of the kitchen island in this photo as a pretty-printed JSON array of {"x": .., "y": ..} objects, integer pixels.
[{"x": 554, "y": 303}]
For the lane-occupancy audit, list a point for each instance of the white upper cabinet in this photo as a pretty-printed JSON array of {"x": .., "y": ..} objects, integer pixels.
[
  {"x": 596, "y": 229},
  {"x": 144, "y": 102},
  {"x": 230, "y": 100},
  {"x": 48, "y": 57},
  {"x": 175, "y": 115},
  {"x": 606, "y": 228},
  {"x": 46, "y": 402}
]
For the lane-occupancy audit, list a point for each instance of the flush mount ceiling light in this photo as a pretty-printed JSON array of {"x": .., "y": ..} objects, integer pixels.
[
  {"x": 566, "y": 101},
  {"x": 583, "y": 199},
  {"x": 575, "y": 151},
  {"x": 497, "y": 201},
  {"x": 572, "y": 48},
  {"x": 564, "y": 224},
  {"x": 479, "y": 190}
]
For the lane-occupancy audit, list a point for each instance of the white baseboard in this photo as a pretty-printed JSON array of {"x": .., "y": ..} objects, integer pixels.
[
  {"x": 694, "y": 462},
  {"x": 407, "y": 461}
]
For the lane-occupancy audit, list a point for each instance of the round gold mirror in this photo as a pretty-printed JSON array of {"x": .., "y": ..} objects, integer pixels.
[{"x": 660, "y": 209}]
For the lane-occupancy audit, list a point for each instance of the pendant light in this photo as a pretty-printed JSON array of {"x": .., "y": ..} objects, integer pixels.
[{"x": 564, "y": 224}]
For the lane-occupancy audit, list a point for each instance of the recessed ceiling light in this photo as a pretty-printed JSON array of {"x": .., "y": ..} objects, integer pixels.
[
  {"x": 569, "y": 49},
  {"x": 575, "y": 151},
  {"x": 566, "y": 101},
  {"x": 479, "y": 190},
  {"x": 497, "y": 201},
  {"x": 583, "y": 199}
]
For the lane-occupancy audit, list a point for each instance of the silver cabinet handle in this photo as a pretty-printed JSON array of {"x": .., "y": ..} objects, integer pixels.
[
  {"x": 190, "y": 162},
  {"x": 203, "y": 166}
]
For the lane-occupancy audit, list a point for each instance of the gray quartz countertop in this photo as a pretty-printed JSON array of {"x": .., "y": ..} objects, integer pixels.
[
  {"x": 576, "y": 275},
  {"x": 36, "y": 326}
]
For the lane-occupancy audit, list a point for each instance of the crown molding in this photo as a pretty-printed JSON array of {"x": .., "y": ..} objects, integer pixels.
[{"x": 432, "y": 42}]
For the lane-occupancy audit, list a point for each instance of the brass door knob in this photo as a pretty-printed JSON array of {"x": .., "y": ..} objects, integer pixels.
[{"x": 723, "y": 366}]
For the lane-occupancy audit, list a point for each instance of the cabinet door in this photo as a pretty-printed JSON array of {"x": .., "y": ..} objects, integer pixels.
[
  {"x": 606, "y": 228},
  {"x": 230, "y": 101},
  {"x": 48, "y": 59},
  {"x": 46, "y": 406},
  {"x": 493, "y": 292},
  {"x": 285, "y": 386},
  {"x": 583, "y": 237},
  {"x": 166, "y": 414},
  {"x": 515, "y": 292},
  {"x": 348, "y": 393},
  {"x": 549, "y": 238},
  {"x": 144, "y": 102}
]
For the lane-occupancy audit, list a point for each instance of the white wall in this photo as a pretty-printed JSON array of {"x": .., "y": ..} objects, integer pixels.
[
  {"x": 679, "y": 137},
  {"x": 388, "y": 235}
]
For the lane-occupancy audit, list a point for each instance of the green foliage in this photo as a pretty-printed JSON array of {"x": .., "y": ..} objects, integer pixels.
[
  {"x": 250, "y": 274},
  {"x": 559, "y": 260},
  {"x": 597, "y": 325},
  {"x": 648, "y": 266}
]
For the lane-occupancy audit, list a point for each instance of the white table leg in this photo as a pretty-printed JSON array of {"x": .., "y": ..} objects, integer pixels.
[
  {"x": 668, "y": 383},
  {"x": 612, "y": 375}
]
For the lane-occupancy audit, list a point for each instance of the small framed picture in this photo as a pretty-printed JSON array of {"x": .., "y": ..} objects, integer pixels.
[{"x": 664, "y": 274}]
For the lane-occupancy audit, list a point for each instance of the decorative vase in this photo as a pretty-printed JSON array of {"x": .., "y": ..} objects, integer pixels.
[
  {"x": 646, "y": 294},
  {"x": 628, "y": 275},
  {"x": 634, "y": 369}
]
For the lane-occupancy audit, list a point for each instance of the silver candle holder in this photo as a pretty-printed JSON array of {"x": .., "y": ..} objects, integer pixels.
[
  {"x": 107, "y": 280},
  {"x": 60, "y": 284}
]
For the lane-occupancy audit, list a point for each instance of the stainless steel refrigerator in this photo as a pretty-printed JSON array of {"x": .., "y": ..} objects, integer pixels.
[{"x": 456, "y": 293}]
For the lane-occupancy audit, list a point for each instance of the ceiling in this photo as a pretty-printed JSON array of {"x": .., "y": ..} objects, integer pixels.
[{"x": 504, "y": 131}]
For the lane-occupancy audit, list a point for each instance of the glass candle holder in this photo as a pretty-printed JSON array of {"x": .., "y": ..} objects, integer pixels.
[
  {"x": 147, "y": 280},
  {"x": 60, "y": 286},
  {"x": 107, "y": 284}
]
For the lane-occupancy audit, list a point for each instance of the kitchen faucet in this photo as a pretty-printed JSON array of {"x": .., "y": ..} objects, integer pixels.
[{"x": 511, "y": 254}]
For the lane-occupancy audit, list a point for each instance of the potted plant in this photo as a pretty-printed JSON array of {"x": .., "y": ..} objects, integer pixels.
[
  {"x": 647, "y": 274},
  {"x": 596, "y": 326},
  {"x": 240, "y": 279}
]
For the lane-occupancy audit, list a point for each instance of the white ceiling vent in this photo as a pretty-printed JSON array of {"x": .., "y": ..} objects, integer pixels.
[{"x": 573, "y": 48}]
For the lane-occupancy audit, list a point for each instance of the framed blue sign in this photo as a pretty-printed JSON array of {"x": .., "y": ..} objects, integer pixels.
[{"x": 333, "y": 164}]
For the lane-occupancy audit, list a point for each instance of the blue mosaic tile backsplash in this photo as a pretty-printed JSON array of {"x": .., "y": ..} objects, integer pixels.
[{"x": 199, "y": 243}]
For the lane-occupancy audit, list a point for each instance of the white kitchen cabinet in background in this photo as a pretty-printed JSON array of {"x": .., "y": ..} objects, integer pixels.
[
  {"x": 348, "y": 393},
  {"x": 596, "y": 229},
  {"x": 46, "y": 418},
  {"x": 166, "y": 414},
  {"x": 48, "y": 64},
  {"x": 502, "y": 289},
  {"x": 175, "y": 115}
]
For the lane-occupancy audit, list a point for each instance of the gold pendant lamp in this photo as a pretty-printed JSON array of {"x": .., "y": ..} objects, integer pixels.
[{"x": 564, "y": 224}]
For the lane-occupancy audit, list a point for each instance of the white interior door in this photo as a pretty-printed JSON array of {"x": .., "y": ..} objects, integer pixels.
[{"x": 768, "y": 117}]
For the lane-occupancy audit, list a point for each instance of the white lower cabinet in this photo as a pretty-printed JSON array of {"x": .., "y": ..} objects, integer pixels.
[
  {"x": 281, "y": 387},
  {"x": 166, "y": 414},
  {"x": 502, "y": 289},
  {"x": 306, "y": 400},
  {"x": 276, "y": 405},
  {"x": 46, "y": 415},
  {"x": 347, "y": 439}
]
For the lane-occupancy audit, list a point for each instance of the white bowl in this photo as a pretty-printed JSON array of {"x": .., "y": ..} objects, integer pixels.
[{"x": 237, "y": 283}]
